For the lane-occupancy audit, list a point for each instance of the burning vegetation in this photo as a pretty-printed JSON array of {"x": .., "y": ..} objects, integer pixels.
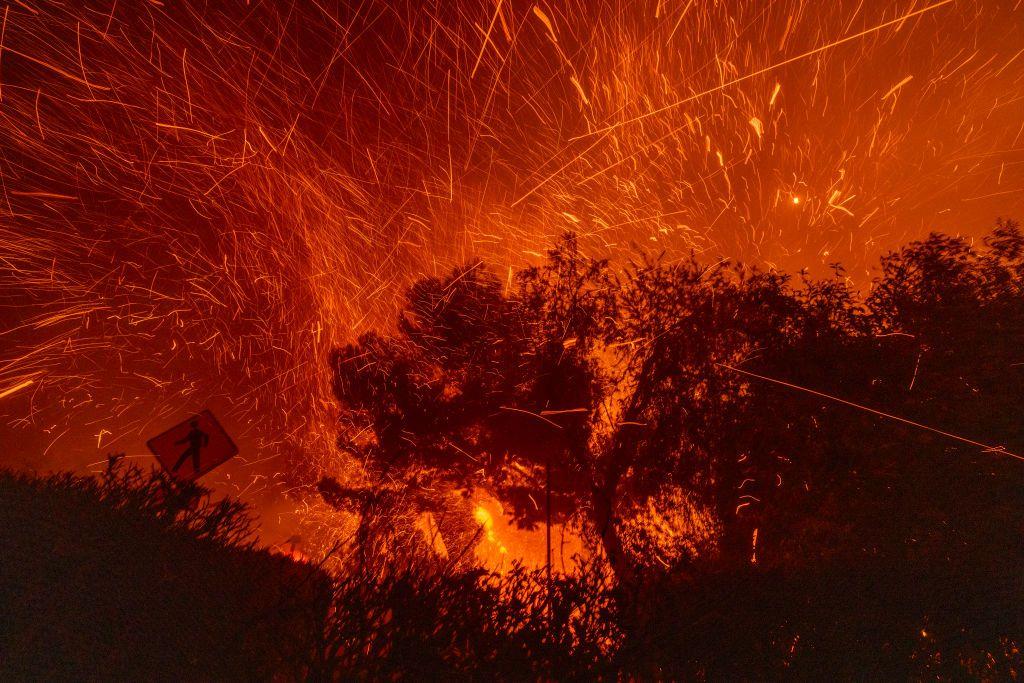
[
  {"x": 565, "y": 340},
  {"x": 718, "y": 413},
  {"x": 712, "y": 434}
]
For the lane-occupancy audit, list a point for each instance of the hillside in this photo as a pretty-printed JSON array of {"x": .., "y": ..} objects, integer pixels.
[{"x": 100, "y": 582}]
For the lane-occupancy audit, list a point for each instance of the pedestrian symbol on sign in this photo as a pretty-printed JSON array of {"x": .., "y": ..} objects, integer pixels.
[
  {"x": 191, "y": 449},
  {"x": 197, "y": 440}
]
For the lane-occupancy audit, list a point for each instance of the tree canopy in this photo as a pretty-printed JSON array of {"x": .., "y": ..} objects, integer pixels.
[
  {"x": 779, "y": 420},
  {"x": 781, "y": 477}
]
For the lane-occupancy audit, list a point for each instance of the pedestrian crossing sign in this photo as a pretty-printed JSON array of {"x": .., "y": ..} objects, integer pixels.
[{"x": 194, "y": 447}]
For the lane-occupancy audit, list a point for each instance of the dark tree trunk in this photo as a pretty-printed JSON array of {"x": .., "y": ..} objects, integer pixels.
[
  {"x": 606, "y": 525},
  {"x": 736, "y": 543}
]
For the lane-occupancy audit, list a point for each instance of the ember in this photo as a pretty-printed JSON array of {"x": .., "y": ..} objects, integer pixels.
[{"x": 461, "y": 280}]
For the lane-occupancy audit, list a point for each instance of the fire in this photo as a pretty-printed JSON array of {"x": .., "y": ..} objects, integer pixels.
[
  {"x": 483, "y": 517},
  {"x": 199, "y": 203}
]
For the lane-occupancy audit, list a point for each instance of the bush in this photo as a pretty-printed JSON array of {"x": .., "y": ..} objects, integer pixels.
[{"x": 130, "y": 576}]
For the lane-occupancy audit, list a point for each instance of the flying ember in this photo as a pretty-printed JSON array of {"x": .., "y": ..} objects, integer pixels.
[{"x": 201, "y": 201}]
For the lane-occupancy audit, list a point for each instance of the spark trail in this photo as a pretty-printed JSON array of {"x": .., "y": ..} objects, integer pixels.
[{"x": 198, "y": 201}]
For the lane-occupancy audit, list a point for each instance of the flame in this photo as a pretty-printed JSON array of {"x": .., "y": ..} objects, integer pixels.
[
  {"x": 486, "y": 521},
  {"x": 197, "y": 205}
]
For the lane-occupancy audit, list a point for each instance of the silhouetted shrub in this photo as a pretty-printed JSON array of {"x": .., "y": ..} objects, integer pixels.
[
  {"x": 129, "y": 576},
  {"x": 842, "y": 517}
]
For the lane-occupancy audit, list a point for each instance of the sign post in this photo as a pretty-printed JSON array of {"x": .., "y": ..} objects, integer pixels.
[{"x": 191, "y": 449}]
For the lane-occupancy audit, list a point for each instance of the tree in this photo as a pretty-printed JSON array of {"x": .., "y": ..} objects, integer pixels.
[
  {"x": 719, "y": 388},
  {"x": 483, "y": 388},
  {"x": 577, "y": 375}
]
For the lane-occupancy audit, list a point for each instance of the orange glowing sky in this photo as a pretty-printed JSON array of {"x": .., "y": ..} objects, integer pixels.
[{"x": 201, "y": 199}]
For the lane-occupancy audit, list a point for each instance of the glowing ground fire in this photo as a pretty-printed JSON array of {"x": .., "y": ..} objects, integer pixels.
[{"x": 200, "y": 201}]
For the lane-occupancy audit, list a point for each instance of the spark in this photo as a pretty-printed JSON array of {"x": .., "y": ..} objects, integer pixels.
[
  {"x": 10, "y": 391},
  {"x": 773, "y": 67},
  {"x": 197, "y": 206}
]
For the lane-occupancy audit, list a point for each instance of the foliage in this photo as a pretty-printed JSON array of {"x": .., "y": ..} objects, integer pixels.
[
  {"x": 833, "y": 443},
  {"x": 618, "y": 385},
  {"x": 422, "y": 622},
  {"x": 837, "y": 513},
  {"x": 131, "y": 576}
]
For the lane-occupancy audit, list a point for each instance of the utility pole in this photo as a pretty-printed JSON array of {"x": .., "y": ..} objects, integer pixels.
[{"x": 547, "y": 509}]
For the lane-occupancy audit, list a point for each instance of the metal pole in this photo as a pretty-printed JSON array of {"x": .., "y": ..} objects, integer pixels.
[{"x": 547, "y": 508}]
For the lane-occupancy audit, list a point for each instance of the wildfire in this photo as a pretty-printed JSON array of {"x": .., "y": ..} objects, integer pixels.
[
  {"x": 200, "y": 201},
  {"x": 486, "y": 521},
  {"x": 503, "y": 542}
]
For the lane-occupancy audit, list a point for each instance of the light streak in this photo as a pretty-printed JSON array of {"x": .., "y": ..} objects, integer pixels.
[
  {"x": 9, "y": 391},
  {"x": 868, "y": 409},
  {"x": 197, "y": 204},
  {"x": 772, "y": 67}
]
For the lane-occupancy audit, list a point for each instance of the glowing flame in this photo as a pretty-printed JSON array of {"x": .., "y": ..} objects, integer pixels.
[
  {"x": 486, "y": 521},
  {"x": 200, "y": 203}
]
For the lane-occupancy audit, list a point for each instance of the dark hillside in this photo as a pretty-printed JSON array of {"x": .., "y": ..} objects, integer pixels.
[{"x": 127, "y": 578}]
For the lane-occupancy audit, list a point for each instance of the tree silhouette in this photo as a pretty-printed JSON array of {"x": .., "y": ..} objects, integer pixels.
[
  {"x": 765, "y": 403},
  {"x": 483, "y": 388},
  {"x": 850, "y": 469}
]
